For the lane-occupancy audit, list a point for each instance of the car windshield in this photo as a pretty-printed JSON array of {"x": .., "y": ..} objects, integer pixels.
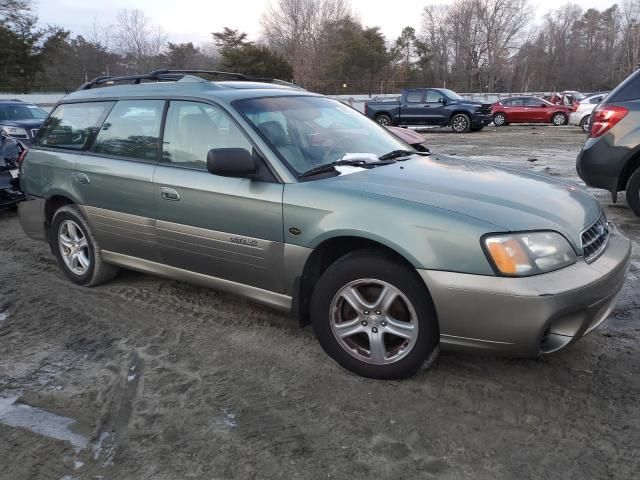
[
  {"x": 309, "y": 132},
  {"x": 22, "y": 112},
  {"x": 451, "y": 94}
]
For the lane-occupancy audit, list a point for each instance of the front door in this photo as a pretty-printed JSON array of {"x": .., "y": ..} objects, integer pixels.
[
  {"x": 229, "y": 228},
  {"x": 436, "y": 103}
]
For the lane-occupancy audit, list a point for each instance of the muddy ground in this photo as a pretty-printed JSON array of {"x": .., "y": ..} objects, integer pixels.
[{"x": 145, "y": 378}]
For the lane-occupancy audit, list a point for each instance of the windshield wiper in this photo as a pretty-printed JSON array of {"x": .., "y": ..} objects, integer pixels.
[
  {"x": 398, "y": 154},
  {"x": 330, "y": 167}
]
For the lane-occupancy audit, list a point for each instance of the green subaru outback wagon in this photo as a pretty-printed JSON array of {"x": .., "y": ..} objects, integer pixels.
[{"x": 301, "y": 203}]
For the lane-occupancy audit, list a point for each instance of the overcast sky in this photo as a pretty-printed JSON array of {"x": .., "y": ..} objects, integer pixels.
[{"x": 194, "y": 20}]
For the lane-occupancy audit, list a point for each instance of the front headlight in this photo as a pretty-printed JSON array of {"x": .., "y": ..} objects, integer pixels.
[
  {"x": 528, "y": 253},
  {"x": 13, "y": 131}
]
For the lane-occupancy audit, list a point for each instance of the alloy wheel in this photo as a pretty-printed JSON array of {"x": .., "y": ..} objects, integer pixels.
[
  {"x": 558, "y": 119},
  {"x": 74, "y": 248},
  {"x": 498, "y": 120},
  {"x": 374, "y": 321},
  {"x": 459, "y": 123}
]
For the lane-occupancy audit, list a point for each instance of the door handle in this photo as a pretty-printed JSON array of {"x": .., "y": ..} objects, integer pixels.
[
  {"x": 82, "y": 178},
  {"x": 169, "y": 194}
]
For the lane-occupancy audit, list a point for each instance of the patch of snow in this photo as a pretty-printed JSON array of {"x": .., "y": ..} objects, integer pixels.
[
  {"x": 39, "y": 421},
  {"x": 229, "y": 419},
  {"x": 3, "y": 316}
]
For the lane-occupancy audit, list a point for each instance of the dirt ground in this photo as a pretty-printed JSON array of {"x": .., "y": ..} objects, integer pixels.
[{"x": 145, "y": 378}]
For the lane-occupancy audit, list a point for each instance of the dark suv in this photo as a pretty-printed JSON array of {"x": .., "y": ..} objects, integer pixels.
[
  {"x": 21, "y": 120},
  {"x": 610, "y": 158}
]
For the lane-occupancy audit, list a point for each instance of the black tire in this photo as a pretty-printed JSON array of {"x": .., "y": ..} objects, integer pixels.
[
  {"x": 460, "y": 123},
  {"x": 97, "y": 271},
  {"x": 374, "y": 264},
  {"x": 633, "y": 192},
  {"x": 558, "y": 119},
  {"x": 500, "y": 120},
  {"x": 584, "y": 124},
  {"x": 384, "y": 120}
]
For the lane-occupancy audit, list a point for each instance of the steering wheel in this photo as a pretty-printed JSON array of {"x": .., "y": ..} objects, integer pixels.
[{"x": 334, "y": 147}]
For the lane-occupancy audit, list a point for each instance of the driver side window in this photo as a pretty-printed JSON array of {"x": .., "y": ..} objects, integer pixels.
[
  {"x": 192, "y": 129},
  {"x": 434, "y": 97}
]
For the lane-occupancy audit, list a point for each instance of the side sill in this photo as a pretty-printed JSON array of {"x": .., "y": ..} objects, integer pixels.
[{"x": 265, "y": 297}]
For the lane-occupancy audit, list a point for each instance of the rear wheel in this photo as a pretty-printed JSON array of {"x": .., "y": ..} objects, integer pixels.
[
  {"x": 76, "y": 249},
  {"x": 499, "y": 120},
  {"x": 559, "y": 119},
  {"x": 384, "y": 119},
  {"x": 633, "y": 192},
  {"x": 584, "y": 123},
  {"x": 461, "y": 123},
  {"x": 373, "y": 315}
]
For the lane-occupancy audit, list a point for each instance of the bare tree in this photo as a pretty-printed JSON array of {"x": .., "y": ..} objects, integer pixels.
[
  {"x": 501, "y": 22},
  {"x": 296, "y": 29},
  {"x": 137, "y": 40}
]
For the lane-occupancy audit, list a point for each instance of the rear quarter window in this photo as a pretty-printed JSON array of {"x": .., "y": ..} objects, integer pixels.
[
  {"x": 628, "y": 90},
  {"x": 70, "y": 126}
]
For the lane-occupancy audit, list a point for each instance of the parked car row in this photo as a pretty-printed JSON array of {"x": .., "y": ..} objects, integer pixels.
[{"x": 440, "y": 107}]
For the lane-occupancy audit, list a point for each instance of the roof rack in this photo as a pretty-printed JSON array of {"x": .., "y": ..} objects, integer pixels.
[{"x": 165, "y": 75}]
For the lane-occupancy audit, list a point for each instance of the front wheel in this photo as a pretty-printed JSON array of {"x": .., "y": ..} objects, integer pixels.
[
  {"x": 559, "y": 119},
  {"x": 461, "y": 123},
  {"x": 76, "y": 249},
  {"x": 374, "y": 316},
  {"x": 633, "y": 192},
  {"x": 384, "y": 120},
  {"x": 499, "y": 120}
]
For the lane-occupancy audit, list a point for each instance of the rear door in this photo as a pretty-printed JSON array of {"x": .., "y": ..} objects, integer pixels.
[
  {"x": 114, "y": 179},
  {"x": 229, "y": 228},
  {"x": 518, "y": 111},
  {"x": 412, "y": 108}
]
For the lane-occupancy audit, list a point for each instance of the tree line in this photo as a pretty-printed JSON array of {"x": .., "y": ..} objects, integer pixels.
[{"x": 467, "y": 45}]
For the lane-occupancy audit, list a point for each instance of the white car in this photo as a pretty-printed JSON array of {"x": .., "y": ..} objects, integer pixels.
[{"x": 582, "y": 114}]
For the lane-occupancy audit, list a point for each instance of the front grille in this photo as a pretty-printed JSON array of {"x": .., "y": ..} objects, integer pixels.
[
  {"x": 485, "y": 108},
  {"x": 595, "y": 238}
]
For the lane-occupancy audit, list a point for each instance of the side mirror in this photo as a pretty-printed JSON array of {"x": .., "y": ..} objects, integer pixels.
[
  {"x": 543, "y": 105},
  {"x": 231, "y": 162},
  {"x": 442, "y": 100}
]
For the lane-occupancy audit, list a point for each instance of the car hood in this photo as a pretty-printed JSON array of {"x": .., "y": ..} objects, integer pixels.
[{"x": 510, "y": 199}]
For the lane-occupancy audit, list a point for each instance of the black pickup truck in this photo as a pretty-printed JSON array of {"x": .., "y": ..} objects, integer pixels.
[{"x": 431, "y": 106}]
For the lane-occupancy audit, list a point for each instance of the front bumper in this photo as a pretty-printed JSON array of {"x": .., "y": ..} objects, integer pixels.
[
  {"x": 481, "y": 120},
  {"x": 528, "y": 316}
]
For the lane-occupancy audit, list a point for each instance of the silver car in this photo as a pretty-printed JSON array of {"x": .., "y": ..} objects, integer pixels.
[{"x": 583, "y": 113}]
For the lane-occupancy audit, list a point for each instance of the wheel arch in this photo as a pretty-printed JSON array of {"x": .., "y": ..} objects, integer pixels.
[
  {"x": 53, "y": 202},
  {"x": 458, "y": 111},
  {"x": 325, "y": 254},
  {"x": 630, "y": 166}
]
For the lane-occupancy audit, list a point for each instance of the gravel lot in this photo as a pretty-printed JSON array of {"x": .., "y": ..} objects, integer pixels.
[{"x": 145, "y": 378}]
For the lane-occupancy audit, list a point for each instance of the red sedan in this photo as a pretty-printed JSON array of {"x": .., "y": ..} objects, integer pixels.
[{"x": 528, "y": 110}]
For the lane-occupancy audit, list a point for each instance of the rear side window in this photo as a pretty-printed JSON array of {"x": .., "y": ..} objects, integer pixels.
[
  {"x": 131, "y": 130},
  {"x": 71, "y": 125},
  {"x": 192, "y": 129},
  {"x": 414, "y": 96}
]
